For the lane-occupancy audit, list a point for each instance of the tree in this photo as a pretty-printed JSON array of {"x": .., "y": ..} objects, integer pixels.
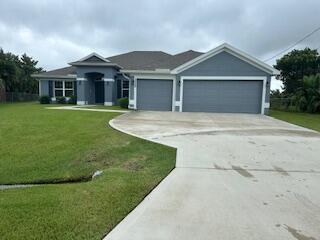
[
  {"x": 16, "y": 72},
  {"x": 28, "y": 66},
  {"x": 275, "y": 93},
  {"x": 309, "y": 94},
  {"x": 295, "y": 65}
]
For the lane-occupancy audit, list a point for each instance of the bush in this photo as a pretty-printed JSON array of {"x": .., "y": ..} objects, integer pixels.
[
  {"x": 123, "y": 102},
  {"x": 45, "y": 100},
  {"x": 61, "y": 100},
  {"x": 72, "y": 100}
]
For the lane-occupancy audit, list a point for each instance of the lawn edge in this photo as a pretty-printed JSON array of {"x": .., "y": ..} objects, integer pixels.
[{"x": 111, "y": 124}]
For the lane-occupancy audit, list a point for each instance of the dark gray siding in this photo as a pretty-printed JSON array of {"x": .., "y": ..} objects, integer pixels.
[
  {"x": 154, "y": 94},
  {"x": 222, "y": 96}
]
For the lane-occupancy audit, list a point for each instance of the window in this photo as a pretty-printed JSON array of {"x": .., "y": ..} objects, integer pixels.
[
  {"x": 125, "y": 88},
  {"x": 63, "y": 88}
]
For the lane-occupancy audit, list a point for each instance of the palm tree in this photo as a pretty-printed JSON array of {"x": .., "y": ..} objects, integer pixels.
[{"x": 309, "y": 94}]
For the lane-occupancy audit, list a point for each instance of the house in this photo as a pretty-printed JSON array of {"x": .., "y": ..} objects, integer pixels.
[{"x": 224, "y": 79}]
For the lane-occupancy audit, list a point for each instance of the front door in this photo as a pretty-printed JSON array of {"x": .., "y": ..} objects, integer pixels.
[{"x": 99, "y": 91}]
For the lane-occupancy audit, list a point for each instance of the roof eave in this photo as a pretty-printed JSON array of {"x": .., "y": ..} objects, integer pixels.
[
  {"x": 45, "y": 76},
  {"x": 156, "y": 71},
  {"x": 91, "y": 64}
]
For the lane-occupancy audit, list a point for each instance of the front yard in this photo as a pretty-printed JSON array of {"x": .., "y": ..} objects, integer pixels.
[
  {"x": 40, "y": 145},
  {"x": 307, "y": 120}
]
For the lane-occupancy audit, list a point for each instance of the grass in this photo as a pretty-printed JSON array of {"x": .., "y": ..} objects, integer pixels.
[
  {"x": 41, "y": 145},
  {"x": 307, "y": 120}
]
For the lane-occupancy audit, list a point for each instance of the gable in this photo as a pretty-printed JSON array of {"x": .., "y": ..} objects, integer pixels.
[
  {"x": 223, "y": 64},
  {"x": 93, "y": 59}
]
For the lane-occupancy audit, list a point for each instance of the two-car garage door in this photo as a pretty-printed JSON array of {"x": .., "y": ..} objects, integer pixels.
[{"x": 229, "y": 96}]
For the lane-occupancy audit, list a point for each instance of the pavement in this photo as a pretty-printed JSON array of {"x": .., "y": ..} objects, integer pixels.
[{"x": 237, "y": 176}]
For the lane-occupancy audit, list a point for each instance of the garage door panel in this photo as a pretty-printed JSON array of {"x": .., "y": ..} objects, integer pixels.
[
  {"x": 222, "y": 96},
  {"x": 154, "y": 94}
]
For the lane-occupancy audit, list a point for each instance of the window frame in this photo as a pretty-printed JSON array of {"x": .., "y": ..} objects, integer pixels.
[
  {"x": 63, "y": 89},
  {"x": 125, "y": 89}
]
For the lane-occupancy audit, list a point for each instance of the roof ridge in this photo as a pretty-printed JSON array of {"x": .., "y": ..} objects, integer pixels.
[
  {"x": 190, "y": 50},
  {"x": 135, "y": 51}
]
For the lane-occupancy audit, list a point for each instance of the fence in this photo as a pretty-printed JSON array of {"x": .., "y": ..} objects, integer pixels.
[
  {"x": 11, "y": 97},
  {"x": 283, "y": 104}
]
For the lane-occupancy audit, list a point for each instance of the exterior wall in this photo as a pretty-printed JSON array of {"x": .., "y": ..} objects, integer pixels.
[
  {"x": 43, "y": 87},
  {"x": 224, "y": 64}
]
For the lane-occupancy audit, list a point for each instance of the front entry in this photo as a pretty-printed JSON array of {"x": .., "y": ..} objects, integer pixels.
[{"x": 99, "y": 91}]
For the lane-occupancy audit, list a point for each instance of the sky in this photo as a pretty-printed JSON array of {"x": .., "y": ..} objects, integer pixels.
[{"x": 56, "y": 32}]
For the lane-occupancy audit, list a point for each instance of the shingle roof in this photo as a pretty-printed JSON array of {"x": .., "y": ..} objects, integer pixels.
[
  {"x": 139, "y": 60},
  {"x": 60, "y": 71},
  {"x": 172, "y": 62},
  {"x": 136, "y": 59}
]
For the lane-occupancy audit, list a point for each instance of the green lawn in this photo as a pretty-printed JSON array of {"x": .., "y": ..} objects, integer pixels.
[
  {"x": 41, "y": 145},
  {"x": 307, "y": 120}
]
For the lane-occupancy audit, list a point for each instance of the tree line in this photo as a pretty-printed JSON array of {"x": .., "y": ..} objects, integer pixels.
[
  {"x": 300, "y": 75},
  {"x": 16, "y": 71}
]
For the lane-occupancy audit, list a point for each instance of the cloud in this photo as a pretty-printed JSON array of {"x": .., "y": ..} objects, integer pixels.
[{"x": 60, "y": 31}]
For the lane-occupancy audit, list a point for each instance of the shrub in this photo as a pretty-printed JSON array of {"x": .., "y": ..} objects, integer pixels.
[
  {"x": 45, "y": 99},
  {"x": 123, "y": 102},
  {"x": 72, "y": 100},
  {"x": 61, "y": 100}
]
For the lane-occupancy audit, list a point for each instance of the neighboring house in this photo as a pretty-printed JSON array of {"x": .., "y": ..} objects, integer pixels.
[{"x": 224, "y": 79}]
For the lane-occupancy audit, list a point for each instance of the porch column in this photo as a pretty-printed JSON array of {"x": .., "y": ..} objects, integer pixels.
[
  {"x": 108, "y": 91},
  {"x": 82, "y": 87}
]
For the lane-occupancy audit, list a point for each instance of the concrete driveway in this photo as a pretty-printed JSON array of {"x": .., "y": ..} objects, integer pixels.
[{"x": 237, "y": 176}]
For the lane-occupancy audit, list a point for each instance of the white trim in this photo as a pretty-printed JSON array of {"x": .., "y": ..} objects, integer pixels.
[
  {"x": 108, "y": 103},
  {"x": 49, "y": 77},
  {"x": 107, "y": 79},
  {"x": 248, "y": 78},
  {"x": 64, "y": 89},
  {"x": 81, "y": 79},
  {"x": 177, "y": 103},
  {"x": 93, "y": 55},
  {"x": 156, "y": 71},
  {"x": 82, "y": 102},
  {"x": 174, "y": 83},
  {"x": 181, "y": 94},
  {"x": 232, "y": 50},
  {"x": 135, "y": 92},
  {"x": 243, "y": 78},
  {"x": 155, "y": 77}
]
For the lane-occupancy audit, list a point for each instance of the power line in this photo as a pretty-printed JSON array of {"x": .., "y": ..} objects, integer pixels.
[{"x": 293, "y": 45}]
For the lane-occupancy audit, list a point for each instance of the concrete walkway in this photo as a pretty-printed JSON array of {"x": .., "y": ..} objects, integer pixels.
[{"x": 238, "y": 176}]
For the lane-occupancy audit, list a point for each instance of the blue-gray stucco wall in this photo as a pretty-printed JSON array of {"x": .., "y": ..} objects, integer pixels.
[
  {"x": 85, "y": 89},
  {"x": 44, "y": 87}
]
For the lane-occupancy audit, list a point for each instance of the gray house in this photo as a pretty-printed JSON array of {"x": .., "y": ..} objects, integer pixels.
[{"x": 224, "y": 79}]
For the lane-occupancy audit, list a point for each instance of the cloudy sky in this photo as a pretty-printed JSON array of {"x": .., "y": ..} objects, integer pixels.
[{"x": 59, "y": 31}]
